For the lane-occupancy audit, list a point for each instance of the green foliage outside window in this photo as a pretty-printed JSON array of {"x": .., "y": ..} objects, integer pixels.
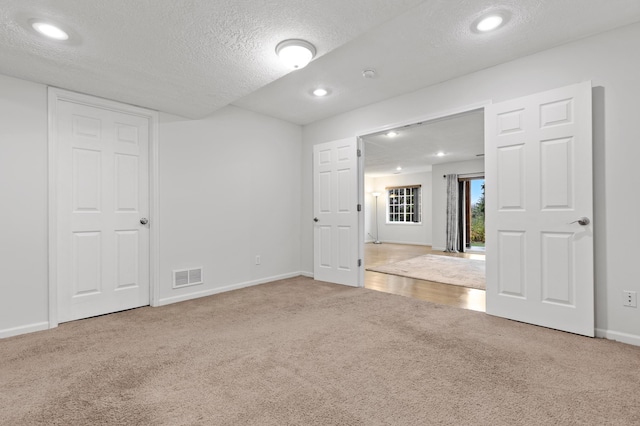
[{"x": 477, "y": 220}]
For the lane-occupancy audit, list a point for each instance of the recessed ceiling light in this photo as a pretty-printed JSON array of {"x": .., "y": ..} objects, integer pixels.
[
  {"x": 320, "y": 92},
  {"x": 50, "y": 30},
  {"x": 392, "y": 134},
  {"x": 489, "y": 23},
  {"x": 295, "y": 54},
  {"x": 440, "y": 154}
]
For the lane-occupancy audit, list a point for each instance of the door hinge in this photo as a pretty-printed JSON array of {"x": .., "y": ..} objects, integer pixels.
[
  {"x": 359, "y": 207},
  {"x": 359, "y": 153},
  {"x": 359, "y": 262}
]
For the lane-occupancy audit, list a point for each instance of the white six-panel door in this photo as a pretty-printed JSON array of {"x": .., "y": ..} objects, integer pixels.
[
  {"x": 102, "y": 195},
  {"x": 538, "y": 159},
  {"x": 335, "y": 184}
]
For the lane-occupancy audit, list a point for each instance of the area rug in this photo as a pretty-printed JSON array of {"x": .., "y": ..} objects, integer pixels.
[{"x": 441, "y": 269}]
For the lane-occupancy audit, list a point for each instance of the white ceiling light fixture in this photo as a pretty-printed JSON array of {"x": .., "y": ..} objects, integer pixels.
[
  {"x": 440, "y": 154},
  {"x": 295, "y": 53},
  {"x": 398, "y": 168},
  {"x": 392, "y": 134},
  {"x": 50, "y": 30},
  {"x": 320, "y": 92},
  {"x": 489, "y": 23}
]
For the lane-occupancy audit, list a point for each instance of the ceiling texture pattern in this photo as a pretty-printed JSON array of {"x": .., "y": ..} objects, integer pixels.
[
  {"x": 415, "y": 147},
  {"x": 192, "y": 57}
]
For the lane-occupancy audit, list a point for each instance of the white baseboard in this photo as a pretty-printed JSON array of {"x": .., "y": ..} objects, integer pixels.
[
  {"x": 211, "y": 292},
  {"x": 306, "y": 274},
  {"x": 438, "y": 248},
  {"x": 405, "y": 242},
  {"x": 630, "y": 339},
  {"x": 24, "y": 329}
]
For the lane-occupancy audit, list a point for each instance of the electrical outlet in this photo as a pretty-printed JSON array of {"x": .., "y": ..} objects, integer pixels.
[
  {"x": 630, "y": 298},
  {"x": 258, "y": 260}
]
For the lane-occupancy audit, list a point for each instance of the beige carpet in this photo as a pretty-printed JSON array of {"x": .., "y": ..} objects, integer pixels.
[
  {"x": 301, "y": 352},
  {"x": 440, "y": 269}
]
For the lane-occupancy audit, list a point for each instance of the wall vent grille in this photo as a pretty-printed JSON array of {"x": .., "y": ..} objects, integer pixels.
[{"x": 187, "y": 277}]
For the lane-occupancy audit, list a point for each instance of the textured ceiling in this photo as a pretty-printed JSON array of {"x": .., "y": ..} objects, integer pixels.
[
  {"x": 459, "y": 137},
  {"x": 430, "y": 44},
  {"x": 188, "y": 57},
  {"x": 191, "y": 57}
]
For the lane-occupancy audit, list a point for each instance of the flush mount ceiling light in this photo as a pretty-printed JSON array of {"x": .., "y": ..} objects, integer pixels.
[
  {"x": 440, "y": 154},
  {"x": 392, "y": 134},
  {"x": 398, "y": 168},
  {"x": 489, "y": 23},
  {"x": 320, "y": 92},
  {"x": 50, "y": 30},
  {"x": 295, "y": 54}
]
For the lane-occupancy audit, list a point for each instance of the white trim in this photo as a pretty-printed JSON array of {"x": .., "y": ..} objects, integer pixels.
[
  {"x": 306, "y": 274},
  {"x": 438, "y": 248},
  {"x": 154, "y": 212},
  {"x": 224, "y": 289},
  {"x": 23, "y": 329},
  {"x": 430, "y": 117},
  {"x": 630, "y": 339},
  {"x": 407, "y": 243},
  {"x": 54, "y": 96},
  {"x": 52, "y": 147}
]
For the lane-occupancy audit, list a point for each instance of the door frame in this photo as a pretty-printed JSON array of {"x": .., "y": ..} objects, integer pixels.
[
  {"x": 386, "y": 127},
  {"x": 54, "y": 95}
]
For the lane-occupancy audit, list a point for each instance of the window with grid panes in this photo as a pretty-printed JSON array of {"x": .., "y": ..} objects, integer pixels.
[{"x": 404, "y": 204}]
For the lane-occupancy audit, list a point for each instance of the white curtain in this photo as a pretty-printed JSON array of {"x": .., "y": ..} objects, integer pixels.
[{"x": 453, "y": 236}]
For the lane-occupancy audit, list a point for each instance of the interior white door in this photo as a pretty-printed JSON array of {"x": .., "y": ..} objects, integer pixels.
[
  {"x": 335, "y": 206},
  {"x": 102, "y": 198},
  {"x": 538, "y": 158}
]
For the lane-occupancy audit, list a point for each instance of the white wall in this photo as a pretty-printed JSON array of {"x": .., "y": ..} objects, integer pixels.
[
  {"x": 402, "y": 233},
  {"x": 440, "y": 196},
  {"x": 266, "y": 154},
  {"x": 23, "y": 212},
  {"x": 229, "y": 191},
  {"x": 611, "y": 61}
]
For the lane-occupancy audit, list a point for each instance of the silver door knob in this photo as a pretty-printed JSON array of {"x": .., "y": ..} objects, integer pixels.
[
  {"x": 144, "y": 221},
  {"x": 315, "y": 219},
  {"x": 584, "y": 221}
]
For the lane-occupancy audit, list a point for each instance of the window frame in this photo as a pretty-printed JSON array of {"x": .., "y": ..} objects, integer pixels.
[{"x": 394, "y": 192}]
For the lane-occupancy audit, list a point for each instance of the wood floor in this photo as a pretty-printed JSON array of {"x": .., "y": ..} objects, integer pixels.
[{"x": 381, "y": 254}]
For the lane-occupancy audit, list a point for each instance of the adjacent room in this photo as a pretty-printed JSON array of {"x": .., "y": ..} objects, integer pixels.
[
  {"x": 221, "y": 212},
  {"x": 403, "y": 206}
]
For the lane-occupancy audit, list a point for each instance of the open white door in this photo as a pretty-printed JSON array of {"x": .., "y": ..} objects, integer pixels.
[
  {"x": 335, "y": 209},
  {"x": 538, "y": 162}
]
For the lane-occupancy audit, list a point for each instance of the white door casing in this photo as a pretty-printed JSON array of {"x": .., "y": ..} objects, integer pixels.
[
  {"x": 538, "y": 158},
  {"x": 101, "y": 248},
  {"x": 336, "y": 226}
]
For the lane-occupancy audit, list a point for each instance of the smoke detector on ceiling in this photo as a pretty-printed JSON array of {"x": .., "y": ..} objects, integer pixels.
[{"x": 369, "y": 73}]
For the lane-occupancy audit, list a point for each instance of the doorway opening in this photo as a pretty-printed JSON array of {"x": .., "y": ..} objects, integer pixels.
[
  {"x": 402, "y": 230},
  {"x": 473, "y": 217}
]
